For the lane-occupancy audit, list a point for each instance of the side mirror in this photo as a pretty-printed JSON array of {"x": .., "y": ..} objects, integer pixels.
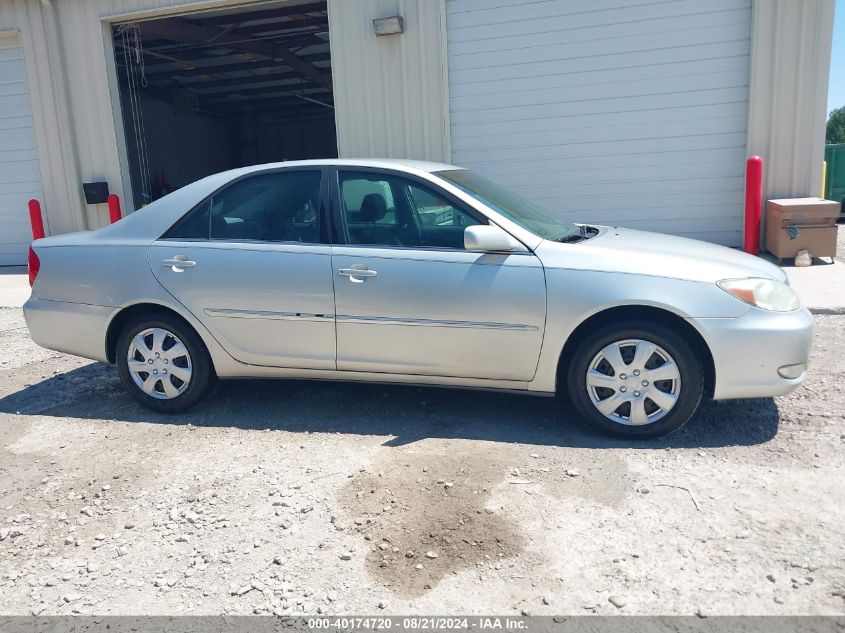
[{"x": 486, "y": 237}]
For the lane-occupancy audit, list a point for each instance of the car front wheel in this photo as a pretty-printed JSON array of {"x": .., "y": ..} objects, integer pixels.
[
  {"x": 636, "y": 380},
  {"x": 163, "y": 363}
]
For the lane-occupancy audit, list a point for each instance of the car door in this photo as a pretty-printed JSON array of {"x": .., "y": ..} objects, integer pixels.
[
  {"x": 253, "y": 264},
  {"x": 410, "y": 299}
]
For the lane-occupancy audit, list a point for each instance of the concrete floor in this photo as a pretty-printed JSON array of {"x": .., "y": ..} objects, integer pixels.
[
  {"x": 822, "y": 285},
  {"x": 14, "y": 286}
]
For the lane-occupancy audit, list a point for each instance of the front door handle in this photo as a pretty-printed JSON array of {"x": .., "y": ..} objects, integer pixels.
[
  {"x": 357, "y": 275},
  {"x": 178, "y": 263}
]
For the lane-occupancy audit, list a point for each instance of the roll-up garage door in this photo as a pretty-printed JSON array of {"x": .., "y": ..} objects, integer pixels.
[
  {"x": 623, "y": 112},
  {"x": 19, "y": 176}
]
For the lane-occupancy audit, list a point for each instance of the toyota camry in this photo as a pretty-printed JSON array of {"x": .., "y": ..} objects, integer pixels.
[{"x": 409, "y": 272}]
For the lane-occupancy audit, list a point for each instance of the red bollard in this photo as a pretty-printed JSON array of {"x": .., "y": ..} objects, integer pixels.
[
  {"x": 753, "y": 204},
  {"x": 114, "y": 208},
  {"x": 36, "y": 220}
]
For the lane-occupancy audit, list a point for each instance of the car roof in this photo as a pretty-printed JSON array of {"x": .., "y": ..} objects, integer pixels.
[{"x": 380, "y": 163}]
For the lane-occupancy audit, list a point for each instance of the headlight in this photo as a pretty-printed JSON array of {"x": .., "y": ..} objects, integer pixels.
[{"x": 765, "y": 294}]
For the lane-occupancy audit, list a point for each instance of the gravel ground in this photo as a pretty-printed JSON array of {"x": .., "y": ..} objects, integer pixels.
[{"x": 292, "y": 497}]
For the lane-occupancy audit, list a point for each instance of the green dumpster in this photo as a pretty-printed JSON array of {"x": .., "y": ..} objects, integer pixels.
[{"x": 834, "y": 187}]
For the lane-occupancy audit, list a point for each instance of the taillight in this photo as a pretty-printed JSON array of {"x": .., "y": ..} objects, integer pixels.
[{"x": 34, "y": 265}]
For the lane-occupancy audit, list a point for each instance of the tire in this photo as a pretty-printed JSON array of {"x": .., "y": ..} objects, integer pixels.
[
  {"x": 187, "y": 369},
  {"x": 593, "y": 381}
]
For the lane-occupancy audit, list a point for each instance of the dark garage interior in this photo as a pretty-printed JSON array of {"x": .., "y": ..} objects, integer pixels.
[{"x": 205, "y": 92}]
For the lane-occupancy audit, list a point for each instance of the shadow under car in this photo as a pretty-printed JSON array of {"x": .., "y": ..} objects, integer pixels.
[{"x": 409, "y": 413}]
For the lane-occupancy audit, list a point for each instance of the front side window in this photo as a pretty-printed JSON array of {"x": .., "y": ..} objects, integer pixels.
[
  {"x": 388, "y": 210},
  {"x": 274, "y": 207},
  {"x": 541, "y": 222}
]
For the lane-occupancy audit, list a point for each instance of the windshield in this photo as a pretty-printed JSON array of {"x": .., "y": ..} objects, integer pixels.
[{"x": 526, "y": 214}]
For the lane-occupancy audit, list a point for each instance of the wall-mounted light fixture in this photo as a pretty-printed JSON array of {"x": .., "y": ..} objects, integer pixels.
[{"x": 392, "y": 25}]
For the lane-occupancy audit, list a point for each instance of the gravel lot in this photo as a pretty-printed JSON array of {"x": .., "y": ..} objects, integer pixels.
[{"x": 293, "y": 497}]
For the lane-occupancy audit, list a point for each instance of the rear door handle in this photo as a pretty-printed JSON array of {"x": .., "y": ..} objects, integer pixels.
[{"x": 178, "y": 264}]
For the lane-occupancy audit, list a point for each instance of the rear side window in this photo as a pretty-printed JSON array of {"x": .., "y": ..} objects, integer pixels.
[
  {"x": 193, "y": 226},
  {"x": 276, "y": 207}
]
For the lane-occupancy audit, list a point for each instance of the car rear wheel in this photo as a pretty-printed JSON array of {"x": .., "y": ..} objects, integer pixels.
[
  {"x": 636, "y": 380},
  {"x": 163, "y": 363}
]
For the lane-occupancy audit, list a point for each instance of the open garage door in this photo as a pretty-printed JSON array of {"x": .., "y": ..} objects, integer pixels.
[
  {"x": 19, "y": 176},
  {"x": 206, "y": 92},
  {"x": 624, "y": 112}
]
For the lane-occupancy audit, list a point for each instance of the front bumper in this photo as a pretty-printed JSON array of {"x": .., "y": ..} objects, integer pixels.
[
  {"x": 72, "y": 328},
  {"x": 748, "y": 351}
]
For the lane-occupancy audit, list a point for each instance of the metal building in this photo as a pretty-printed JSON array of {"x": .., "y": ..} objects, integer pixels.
[{"x": 626, "y": 112}]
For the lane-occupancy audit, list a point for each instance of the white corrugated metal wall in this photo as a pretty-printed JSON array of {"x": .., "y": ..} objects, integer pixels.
[
  {"x": 391, "y": 98},
  {"x": 790, "y": 61},
  {"x": 389, "y": 91},
  {"x": 623, "y": 112},
  {"x": 20, "y": 179},
  {"x": 78, "y": 131}
]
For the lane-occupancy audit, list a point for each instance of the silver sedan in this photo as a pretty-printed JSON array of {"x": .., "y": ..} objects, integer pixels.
[{"x": 412, "y": 272}]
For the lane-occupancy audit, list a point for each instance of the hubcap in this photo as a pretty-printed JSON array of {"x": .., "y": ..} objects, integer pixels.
[
  {"x": 633, "y": 382},
  {"x": 159, "y": 363}
]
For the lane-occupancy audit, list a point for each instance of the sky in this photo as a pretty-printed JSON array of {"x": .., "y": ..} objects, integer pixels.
[{"x": 836, "y": 91}]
